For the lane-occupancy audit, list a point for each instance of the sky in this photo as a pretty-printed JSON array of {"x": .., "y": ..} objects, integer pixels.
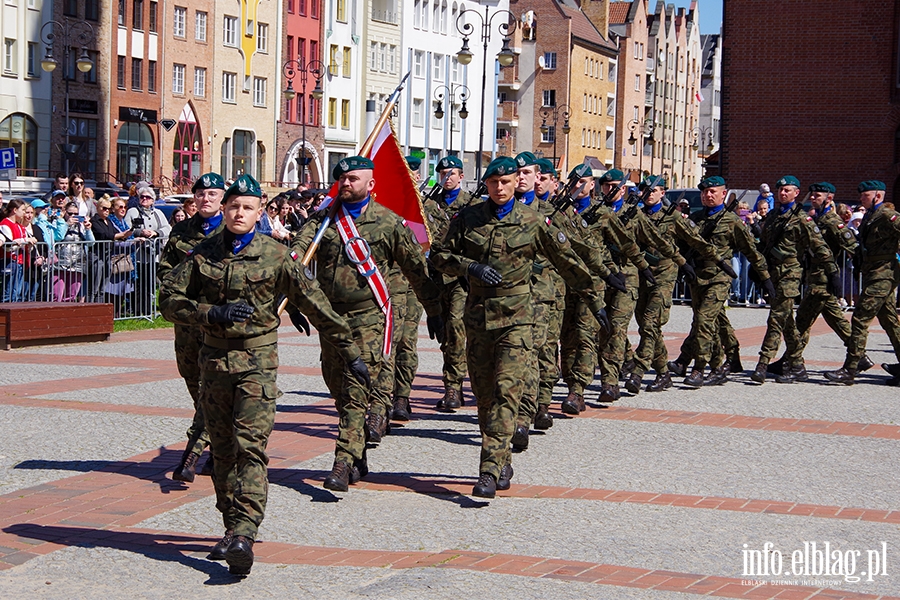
[{"x": 710, "y": 15}]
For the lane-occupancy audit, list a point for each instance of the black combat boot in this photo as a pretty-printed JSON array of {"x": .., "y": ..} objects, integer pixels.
[
  {"x": 451, "y": 401},
  {"x": 798, "y": 370},
  {"x": 778, "y": 367},
  {"x": 679, "y": 366},
  {"x": 520, "y": 438},
  {"x": 486, "y": 486},
  {"x": 506, "y": 474},
  {"x": 572, "y": 404},
  {"x": 892, "y": 369},
  {"x": 842, "y": 375},
  {"x": 608, "y": 393},
  {"x": 662, "y": 382},
  {"x": 864, "y": 364},
  {"x": 717, "y": 376},
  {"x": 734, "y": 362},
  {"x": 633, "y": 383},
  {"x": 543, "y": 420},
  {"x": 401, "y": 410},
  {"x": 339, "y": 478},
  {"x": 239, "y": 555},
  {"x": 218, "y": 551},
  {"x": 186, "y": 469},
  {"x": 376, "y": 427},
  {"x": 695, "y": 379},
  {"x": 759, "y": 373}
]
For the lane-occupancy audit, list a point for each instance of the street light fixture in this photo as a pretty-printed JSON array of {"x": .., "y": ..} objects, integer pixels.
[
  {"x": 68, "y": 33},
  {"x": 505, "y": 57},
  {"x": 555, "y": 112},
  {"x": 700, "y": 133},
  {"x": 290, "y": 69},
  {"x": 647, "y": 128},
  {"x": 450, "y": 92}
]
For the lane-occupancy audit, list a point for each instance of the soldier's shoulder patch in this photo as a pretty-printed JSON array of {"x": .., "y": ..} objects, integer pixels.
[
  {"x": 894, "y": 217},
  {"x": 547, "y": 219},
  {"x": 840, "y": 225},
  {"x": 561, "y": 237},
  {"x": 684, "y": 216},
  {"x": 431, "y": 217},
  {"x": 404, "y": 222},
  {"x": 190, "y": 252},
  {"x": 293, "y": 255},
  {"x": 848, "y": 234},
  {"x": 816, "y": 229},
  {"x": 808, "y": 218},
  {"x": 584, "y": 223}
]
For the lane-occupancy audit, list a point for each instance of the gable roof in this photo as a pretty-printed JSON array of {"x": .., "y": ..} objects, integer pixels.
[
  {"x": 584, "y": 29},
  {"x": 618, "y": 12}
]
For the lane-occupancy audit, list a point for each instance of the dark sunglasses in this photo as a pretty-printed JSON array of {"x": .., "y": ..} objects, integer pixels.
[
  {"x": 77, "y": 183},
  {"x": 74, "y": 214},
  {"x": 146, "y": 197}
]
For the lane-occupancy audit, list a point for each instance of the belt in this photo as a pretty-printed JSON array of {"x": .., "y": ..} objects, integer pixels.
[
  {"x": 240, "y": 343},
  {"x": 345, "y": 307},
  {"x": 495, "y": 292}
]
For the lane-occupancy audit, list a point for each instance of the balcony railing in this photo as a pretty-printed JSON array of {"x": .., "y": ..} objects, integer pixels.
[
  {"x": 508, "y": 111},
  {"x": 509, "y": 76}
]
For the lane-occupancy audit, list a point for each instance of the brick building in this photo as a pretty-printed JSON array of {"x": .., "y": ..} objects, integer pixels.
[{"x": 826, "y": 107}]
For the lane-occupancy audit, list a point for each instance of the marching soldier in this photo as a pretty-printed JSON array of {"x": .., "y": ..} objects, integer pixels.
[
  {"x": 879, "y": 241},
  {"x": 363, "y": 243},
  {"x": 787, "y": 235},
  {"x": 228, "y": 287},
  {"x": 208, "y": 191}
]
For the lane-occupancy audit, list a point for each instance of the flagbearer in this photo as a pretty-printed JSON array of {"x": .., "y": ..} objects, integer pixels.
[{"x": 357, "y": 250}]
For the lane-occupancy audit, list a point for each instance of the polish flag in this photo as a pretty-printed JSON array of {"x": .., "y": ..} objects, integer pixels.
[{"x": 699, "y": 96}]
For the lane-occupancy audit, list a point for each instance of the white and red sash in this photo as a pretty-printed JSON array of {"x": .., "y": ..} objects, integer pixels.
[{"x": 360, "y": 254}]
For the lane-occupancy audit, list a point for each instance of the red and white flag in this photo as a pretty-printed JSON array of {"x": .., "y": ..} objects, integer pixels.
[{"x": 699, "y": 96}]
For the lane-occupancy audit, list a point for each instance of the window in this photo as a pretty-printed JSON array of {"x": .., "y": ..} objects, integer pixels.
[
  {"x": 9, "y": 56},
  {"x": 122, "y": 13},
  {"x": 137, "y": 76},
  {"x": 32, "y": 60},
  {"x": 419, "y": 63},
  {"x": 229, "y": 31},
  {"x": 435, "y": 12},
  {"x": 425, "y": 14},
  {"x": 636, "y": 52},
  {"x": 332, "y": 112},
  {"x": 392, "y": 59},
  {"x": 455, "y": 71},
  {"x": 610, "y": 106},
  {"x": 549, "y": 60},
  {"x": 200, "y": 26},
  {"x": 152, "y": 24},
  {"x": 314, "y": 9},
  {"x": 177, "y": 79},
  {"x": 341, "y": 11},
  {"x": 345, "y": 66},
  {"x": 91, "y": 9},
  {"x": 636, "y": 115},
  {"x": 612, "y": 71},
  {"x": 137, "y": 17},
  {"x": 599, "y": 70},
  {"x": 610, "y": 140},
  {"x": 301, "y": 51},
  {"x": 332, "y": 59},
  {"x": 199, "y": 82},
  {"x": 549, "y": 98},
  {"x": 550, "y": 136},
  {"x": 290, "y": 6},
  {"x": 418, "y": 119},
  {"x": 259, "y": 91},
  {"x": 312, "y": 115},
  {"x": 417, "y": 15},
  {"x": 313, "y": 49},
  {"x": 151, "y": 76},
  {"x": 178, "y": 22},
  {"x": 345, "y": 114},
  {"x": 301, "y": 6},
  {"x": 262, "y": 38},
  {"x": 382, "y": 57},
  {"x": 120, "y": 73},
  {"x": 588, "y": 64},
  {"x": 229, "y": 83},
  {"x": 438, "y": 63},
  {"x": 373, "y": 56},
  {"x": 637, "y": 83},
  {"x": 19, "y": 132}
]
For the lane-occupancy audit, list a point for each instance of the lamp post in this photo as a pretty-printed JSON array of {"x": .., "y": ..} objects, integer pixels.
[
  {"x": 703, "y": 133},
  {"x": 450, "y": 92},
  {"x": 555, "y": 112},
  {"x": 646, "y": 127},
  {"x": 67, "y": 32},
  {"x": 505, "y": 56},
  {"x": 290, "y": 69}
]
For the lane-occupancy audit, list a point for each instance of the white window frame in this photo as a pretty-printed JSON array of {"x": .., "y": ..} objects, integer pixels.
[
  {"x": 259, "y": 92},
  {"x": 178, "y": 78},
  {"x": 200, "y": 82},
  {"x": 201, "y": 18},
  {"x": 179, "y": 24},
  {"x": 10, "y": 56},
  {"x": 229, "y": 87},
  {"x": 419, "y": 64},
  {"x": 418, "y": 111},
  {"x": 549, "y": 61},
  {"x": 437, "y": 64},
  {"x": 262, "y": 38},
  {"x": 229, "y": 31}
]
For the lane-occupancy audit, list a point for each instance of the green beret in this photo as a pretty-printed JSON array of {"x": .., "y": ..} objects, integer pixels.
[
  {"x": 352, "y": 163},
  {"x": 502, "y": 165},
  {"x": 210, "y": 181},
  {"x": 787, "y": 180},
  {"x": 870, "y": 185},
  {"x": 244, "y": 185},
  {"x": 612, "y": 175},
  {"x": 546, "y": 166},
  {"x": 580, "y": 171},
  {"x": 650, "y": 179},
  {"x": 449, "y": 162},
  {"x": 413, "y": 162},
  {"x": 822, "y": 186},
  {"x": 708, "y": 182},
  {"x": 525, "y": 159}
]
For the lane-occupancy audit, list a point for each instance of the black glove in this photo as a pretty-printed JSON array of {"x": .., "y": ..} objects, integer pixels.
[
  {"x": 360, "y": 371},
  {"x": 688, "y": 271},
  {"x": 769, "y": 289},
  {"x": 648, "y": 275},
  {"x": 299, "y": 321},
  {"x": 603, "y": 320},
  {"x": 234, "y": 312},
  {"x": 435, "y": 328},
  {"x": 485, "y": 273},
  {"x": 835, "y": 285},
  {"x": 726, "y": 267},
  {"x": 616, "y": 281}
]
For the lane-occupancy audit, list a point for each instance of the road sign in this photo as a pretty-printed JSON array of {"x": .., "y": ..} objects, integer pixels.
[
  {"x": 7, "y": 175},
  {"x": 168, "y": 124},
  {"x": 7, "y": 158}
]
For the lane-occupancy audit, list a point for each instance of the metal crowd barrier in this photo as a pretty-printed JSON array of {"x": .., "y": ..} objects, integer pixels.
[{"x": 120, "y": 273}]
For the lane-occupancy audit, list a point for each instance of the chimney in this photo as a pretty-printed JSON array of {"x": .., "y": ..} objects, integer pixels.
[{"x": 598, "y": 12}]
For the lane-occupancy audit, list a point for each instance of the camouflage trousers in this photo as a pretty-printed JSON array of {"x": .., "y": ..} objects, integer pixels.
[
  {"x": 712, "y": 335},
  {"x": 406, "y": 352},
  {"x": 780, "y": 324},
  {"x": 240, "y": 414},
  {"x": 578, "y": 344},
  {"x": 542, "y": 364},
  {"x": 453, "y": 307},
  {"x": 351, "y": 398},
  {"x": 498, "y": 360},
  {"x": 875, "y": 300},
  {"x": 619, "y": 309},
  {"x": 818, "y": 301},
  {"x": 654, "y": 304},
  {"x": 548, "y": 353},
  {"x": 187, "y": 356},
  {"x": 381, "y": 399}
]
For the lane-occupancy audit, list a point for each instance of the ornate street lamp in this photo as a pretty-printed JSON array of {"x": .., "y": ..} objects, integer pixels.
[{"x": 290, "y": 69}]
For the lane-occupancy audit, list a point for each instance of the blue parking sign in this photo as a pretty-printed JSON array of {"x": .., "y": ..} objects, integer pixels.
[{"x": 7, "y": 158}]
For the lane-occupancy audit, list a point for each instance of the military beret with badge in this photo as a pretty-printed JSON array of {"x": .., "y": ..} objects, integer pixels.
[
  {"x": 822, "y": 186},
  {"x": 580, "y": 171},
  {"x": 546, "y": 166},
  {"x": 209, "y": 181},
  {"x": 611, "y": 176},
  {"x": 449, "y": 162},
  {"x": 244, "y": 185},
  {"x": 352, "y": 163},
  {"x": 650, "y": 179},
  {"x": 502, "y": 165},
  {"x": 787, "y": 180},
  {"x": 525, "y": 159},
  {"x": 872, "y": 185},
  {"x": 413, "y": 162},
  {"x": 708, "y": 182}
]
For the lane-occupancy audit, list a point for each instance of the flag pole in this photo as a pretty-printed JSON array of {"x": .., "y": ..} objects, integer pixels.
[{"x": 363, "y": 151}]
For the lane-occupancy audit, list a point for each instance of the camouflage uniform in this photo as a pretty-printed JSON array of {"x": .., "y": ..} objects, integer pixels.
[
  {"x": 785, "y": 238},
  {"x": 188, "y": 340},
  {"x": 239, "y": 360},
  {"x": 818, "y": 299},
  {"x": 499, "y": 320},
  {"x": 655, "y": 300},
  {"x": 391, "y": 243},
  {"x": 711, "y": 289}
]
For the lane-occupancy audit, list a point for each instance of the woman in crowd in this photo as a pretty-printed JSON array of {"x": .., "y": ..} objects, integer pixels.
[
  {"x": 151, "y": 230},
  {"x": 72, "y": 256},
  {"x": 36, "y": 261},
  {"x": 120, "y": 283},
  {"x": 15, "y": 240},
  {"x": 78, "y": 195},
  {"x": 190, "y": 207},
  {"x": 178, "y": 215}
]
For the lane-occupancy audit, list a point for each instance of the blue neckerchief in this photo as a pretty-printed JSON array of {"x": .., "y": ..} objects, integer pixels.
[
  {"x": 617, "y": 205},
  {"x": 211, "y": 223},
  {"x": 545, "y": 197},
  {"x": 784, "y": 208},
  {"x": 450, "y": 197},
  {"x": 503, "y": 209},
  {"x": 582, "y": 203},
  {"x": 711, "y": 211},
  {"x": 241, "y": 241},
  {"x": 355, "y": 208},
  {"x": 654, "y": 209},
  {"x": 826, "y": 209},
  {"x": 527, "y": 198}
]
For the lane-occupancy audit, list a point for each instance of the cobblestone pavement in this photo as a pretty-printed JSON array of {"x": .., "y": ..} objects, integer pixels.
[{"x": 732, "y": 491}]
